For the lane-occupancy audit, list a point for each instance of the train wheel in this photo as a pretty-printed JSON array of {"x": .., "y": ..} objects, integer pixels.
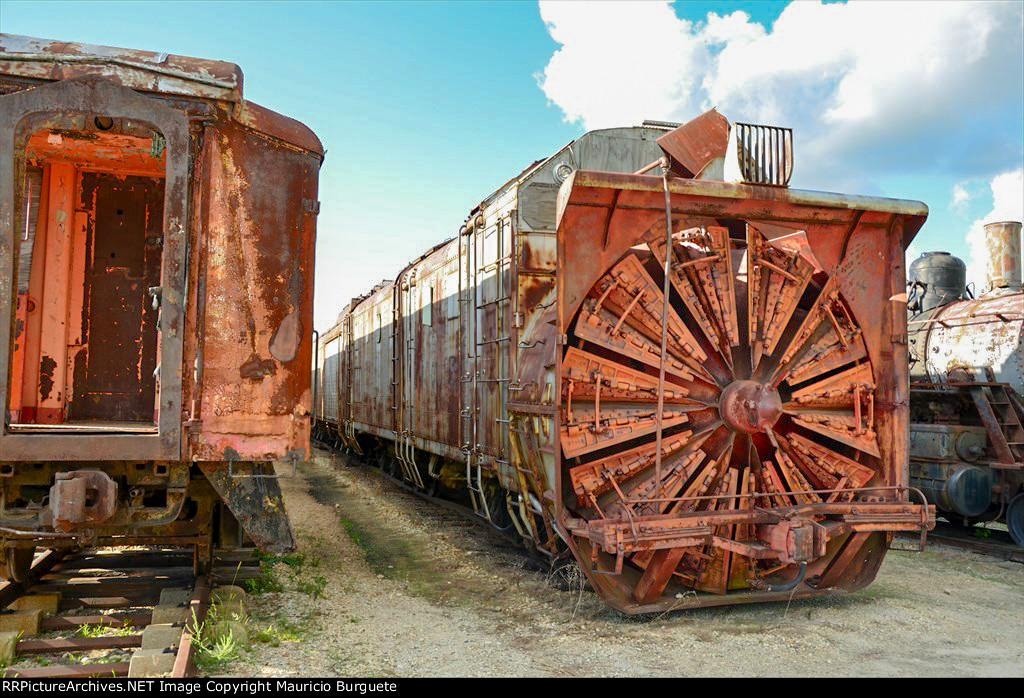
[
  {"x": 768, "y": 389},
  {"x": 17, "y": 562},
  {"x": 1015, "y": 519}
]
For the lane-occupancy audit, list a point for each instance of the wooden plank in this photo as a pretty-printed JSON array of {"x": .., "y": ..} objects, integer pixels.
[
  {"x": 119, "y": 587},
  {"x": 74, "y": 622},
  {"x": 107, "y": 602},
  {"x": 158, "y": 558},
  {"x": 77, "y": 671},
  {"x": 78, "y": 644}
]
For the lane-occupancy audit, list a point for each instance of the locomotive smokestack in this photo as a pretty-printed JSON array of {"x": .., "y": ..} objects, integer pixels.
[{"x": 1003, "y": 266}]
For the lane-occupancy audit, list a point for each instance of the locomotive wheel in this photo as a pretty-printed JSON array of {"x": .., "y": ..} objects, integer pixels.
[
  {"x": 768, "y": 389},
  {"x": 17, "y": 562},
  {"x": 1015, "y": 519}
]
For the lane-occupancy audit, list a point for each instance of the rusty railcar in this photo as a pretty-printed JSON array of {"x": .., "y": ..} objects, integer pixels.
[
  {"x": 156, "y": 258},
  {"x": 694, "y": 378},
  {"x": 967, "y": 384}
]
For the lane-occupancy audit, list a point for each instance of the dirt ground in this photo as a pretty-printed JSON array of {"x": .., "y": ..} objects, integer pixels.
[{"x": 412, "y": 589}]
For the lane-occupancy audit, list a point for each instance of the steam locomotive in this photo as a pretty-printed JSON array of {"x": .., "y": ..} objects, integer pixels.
[{"x": 967, "y": 384}]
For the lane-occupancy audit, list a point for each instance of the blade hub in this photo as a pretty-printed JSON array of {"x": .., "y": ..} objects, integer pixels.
[{"x": 749, "y": 407}]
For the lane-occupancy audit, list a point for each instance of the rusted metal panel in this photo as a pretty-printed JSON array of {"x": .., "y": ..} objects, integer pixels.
[
  {"x": 957, "y": 342},
  {"x": 257, "y": 345},
  {"x": 429, "y": 374},
  {"x": 217, "y": 340},
  {"x": 696, "y": 143},
  {"x": 1003, "y": 261},
  {"x": 50, "y": 60},
  {"x": 114, "y": 373},
  {"x": 254, "y": 495},
  {"x": 788, "y": 448}
]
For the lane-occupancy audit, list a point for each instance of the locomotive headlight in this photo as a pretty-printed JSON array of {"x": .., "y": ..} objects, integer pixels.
[{"x": 562, "y": 172}]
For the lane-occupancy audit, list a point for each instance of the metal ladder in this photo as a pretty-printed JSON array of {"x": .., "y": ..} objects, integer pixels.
[{"x": 1003, "y": 418}]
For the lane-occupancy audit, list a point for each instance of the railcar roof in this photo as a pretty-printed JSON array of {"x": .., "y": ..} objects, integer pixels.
[{"x": 148, "y": 71}]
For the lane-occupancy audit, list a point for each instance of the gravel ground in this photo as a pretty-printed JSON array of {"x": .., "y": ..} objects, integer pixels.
[{"x": 415, "y": 590}]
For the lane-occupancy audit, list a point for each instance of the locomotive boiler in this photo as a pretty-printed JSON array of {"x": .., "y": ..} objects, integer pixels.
[
  {"x": 647, "y": 350},
  {"x": 967, "y": 373},
  {"x": 156, "y": 265}
]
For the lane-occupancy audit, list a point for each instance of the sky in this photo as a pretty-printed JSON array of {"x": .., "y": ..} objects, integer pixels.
[{"x": 426, "y": 107}]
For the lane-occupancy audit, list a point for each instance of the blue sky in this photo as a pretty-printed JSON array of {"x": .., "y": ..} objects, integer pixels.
[{"x": 425, "y": 108}]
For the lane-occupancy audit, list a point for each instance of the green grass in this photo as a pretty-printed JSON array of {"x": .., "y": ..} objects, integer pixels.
[
  {"x": 210, "y": 653},
  {"x": 298, "y": 565},
  {"x": 313, "y": 587},
  {"x": 212, "y": 656},
  {"x": 101, "y": 630},
  {"x": 278, "y": 631}
]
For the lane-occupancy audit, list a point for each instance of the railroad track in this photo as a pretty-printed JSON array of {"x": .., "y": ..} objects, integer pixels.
[
  {"x": 449, "y": 514},
  {"x": 998, "y": 544},
  {"x": 95, "y": 612}
]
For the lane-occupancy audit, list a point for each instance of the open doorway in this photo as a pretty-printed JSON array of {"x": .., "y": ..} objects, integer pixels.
[{"x": 89, "y": 252}]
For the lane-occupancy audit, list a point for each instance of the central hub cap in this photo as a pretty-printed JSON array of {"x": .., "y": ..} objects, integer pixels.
[{"x": 749, "y": 406}]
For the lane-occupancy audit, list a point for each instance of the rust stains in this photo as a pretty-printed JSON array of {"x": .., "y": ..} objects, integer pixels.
[
  {"x": 256, "y": 368},
  {"x": 46, "y": 368}
]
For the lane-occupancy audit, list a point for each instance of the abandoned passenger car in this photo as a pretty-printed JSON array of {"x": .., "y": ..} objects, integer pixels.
[{"x": 156, "y": 265}]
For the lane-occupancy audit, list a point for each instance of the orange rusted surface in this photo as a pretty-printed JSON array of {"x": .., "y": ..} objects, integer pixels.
[
  {"x": 164, "y": 275},
  {"x": 729, "y": 431},
  {"x": 801, "y": 443}
]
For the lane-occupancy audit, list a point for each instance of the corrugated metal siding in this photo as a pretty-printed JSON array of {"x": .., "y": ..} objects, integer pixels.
[
  {"x": 372, "y": 330},
  {"x": 332, "y": 363},
  {"x": 466, "y": 358}
]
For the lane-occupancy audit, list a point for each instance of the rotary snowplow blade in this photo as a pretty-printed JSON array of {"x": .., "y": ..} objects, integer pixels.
[{"x": 778, "y": 389}]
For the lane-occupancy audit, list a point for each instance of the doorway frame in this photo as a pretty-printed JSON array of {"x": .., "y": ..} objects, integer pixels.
[{"x": 61, "y": 105}]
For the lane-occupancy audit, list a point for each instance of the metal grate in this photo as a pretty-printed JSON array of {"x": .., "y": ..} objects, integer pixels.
[{"x": 765, "y": 153}]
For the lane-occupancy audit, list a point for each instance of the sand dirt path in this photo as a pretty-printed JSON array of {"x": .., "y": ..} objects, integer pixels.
[{"x": 415, "y": 590}]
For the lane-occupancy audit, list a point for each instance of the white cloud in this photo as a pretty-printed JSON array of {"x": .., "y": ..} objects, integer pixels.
[
  {"x": 867, "y": 87},
  {"x": 596, "y": 76},
  {"x": 960, "y": 197},
  {"x": 1007, "y": 205}
]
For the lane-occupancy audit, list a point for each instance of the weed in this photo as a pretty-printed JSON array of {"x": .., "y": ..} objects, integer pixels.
[
  {"x": 216, "y": 654},
  {"x": 265, "y": 583},
  {"x": 209, "y": 653},
  {"x": 102, "y": 630},
  {"x": 282, "y": 631},
  {"x": 314, "y": 587}
]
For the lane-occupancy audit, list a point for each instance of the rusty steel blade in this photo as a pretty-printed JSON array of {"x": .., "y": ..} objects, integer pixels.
[
  {"x": 776, "y": 280},
  {"x": 815, "y": 458},
  {"x": 827, "y": 339},
  {"x": 703, "y": 278},
  {"x": 587, "y": 371},
  {"x": 616, "y": 423},
  {"x": 593, "y": 479}
]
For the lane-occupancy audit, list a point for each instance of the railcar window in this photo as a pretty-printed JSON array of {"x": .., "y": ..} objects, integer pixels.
[
  {"x": 428, "y": 305},
  {"x": 89, "y": 246}
]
